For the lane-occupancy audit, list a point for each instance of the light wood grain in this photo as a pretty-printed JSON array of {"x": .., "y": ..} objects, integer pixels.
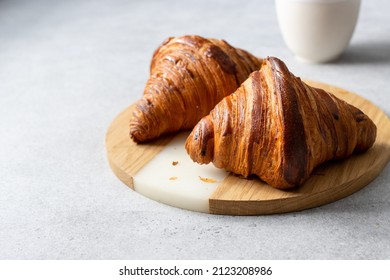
[
  {"x": 237, "y": 196},
  {"x": 126, "y": 157}
]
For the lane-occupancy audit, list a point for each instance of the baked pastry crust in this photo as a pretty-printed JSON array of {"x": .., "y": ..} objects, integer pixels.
[
  {"x": 279, "y": 128},
  {"x": 189, "y": 75}
]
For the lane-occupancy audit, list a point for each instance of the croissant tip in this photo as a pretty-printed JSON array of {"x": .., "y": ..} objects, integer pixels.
[
  {"x": 135, "y": 136},
  {"x": 200, "y": 143},
  {"x": 137, "y": 132}
]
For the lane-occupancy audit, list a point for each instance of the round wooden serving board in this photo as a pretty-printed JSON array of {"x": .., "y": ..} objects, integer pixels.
[{"x": 210, "y": 190}]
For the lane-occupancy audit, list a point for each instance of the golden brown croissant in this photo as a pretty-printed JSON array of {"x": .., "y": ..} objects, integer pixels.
[
  {"x": 189, "y": 75},
  {"x": 277, "y": 127}
]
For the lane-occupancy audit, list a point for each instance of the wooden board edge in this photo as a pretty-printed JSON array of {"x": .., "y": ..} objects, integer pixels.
[
  {"x": 115, "y": 139},
  {"x": 292, "y": 204},
  {"x": 123, "y": 176}
]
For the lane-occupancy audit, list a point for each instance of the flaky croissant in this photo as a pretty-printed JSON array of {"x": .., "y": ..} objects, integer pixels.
[
  {"x": 189, "y": 75},
  {"x": 279, "y": 128}
]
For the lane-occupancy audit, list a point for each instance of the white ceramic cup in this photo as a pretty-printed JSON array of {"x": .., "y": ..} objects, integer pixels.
[{"x": 317, "y": 31}]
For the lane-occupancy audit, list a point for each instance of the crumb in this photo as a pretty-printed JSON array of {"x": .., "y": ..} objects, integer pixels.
[
  {"x": 172, "y": 178},
  {"x": 208, "y": 180},
  {"x": 174, "y": 163}
]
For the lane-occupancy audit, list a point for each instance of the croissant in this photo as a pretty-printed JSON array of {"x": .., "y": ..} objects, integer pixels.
[
  {"x": 189, "y": 75},
  {"x": 279, "y": 128}
]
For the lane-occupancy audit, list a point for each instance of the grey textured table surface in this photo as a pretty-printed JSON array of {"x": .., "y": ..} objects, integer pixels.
[{"x": 67, "y": 68}]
